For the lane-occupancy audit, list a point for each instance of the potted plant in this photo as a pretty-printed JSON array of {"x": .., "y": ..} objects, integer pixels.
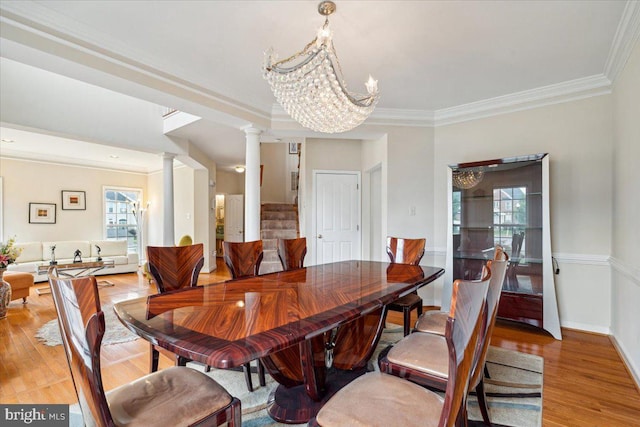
[{"x": 8, "y": 255}]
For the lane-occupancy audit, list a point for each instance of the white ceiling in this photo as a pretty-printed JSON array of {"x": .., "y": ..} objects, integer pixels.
[{"x": 429, "y": 56}]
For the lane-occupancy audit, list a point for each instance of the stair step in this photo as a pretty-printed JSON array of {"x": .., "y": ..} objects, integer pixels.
[
  {"x": 278, "y": 207},
  {"x": 270, "y": 267},
  {"x": 269, "y": 224},
  {"x": 279, "y": 215},
  {"x": 278, "y": 234},
  {"x": 270, "y": 255},
  {"x": 269, "y": 244}
]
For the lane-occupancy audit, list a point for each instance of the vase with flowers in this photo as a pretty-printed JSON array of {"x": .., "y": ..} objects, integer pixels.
[{"x": 8, "y": 255}]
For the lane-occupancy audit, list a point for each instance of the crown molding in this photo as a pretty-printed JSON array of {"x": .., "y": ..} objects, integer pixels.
[
  {"x": 626, "y": 37},
  {"x": 33, "y": 25},
  {"x": 571, "y": 90},
  {"x": 40, "y": 21}
]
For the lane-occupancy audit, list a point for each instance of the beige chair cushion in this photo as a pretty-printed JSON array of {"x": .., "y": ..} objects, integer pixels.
[
  {"x": 377, "y": 399},
  {"x": 423, "y": 352},
  {"x": 433, "y": 322},
  {"x": 176, "y": 396}
]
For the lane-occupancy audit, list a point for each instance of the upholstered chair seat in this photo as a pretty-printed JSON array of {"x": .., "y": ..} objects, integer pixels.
[
  {"x": 426, "y": 353},
  {"x": 171, "y": 397},
  {"x": 432, "y": 322},
  {"x": 376, "y": 399}
]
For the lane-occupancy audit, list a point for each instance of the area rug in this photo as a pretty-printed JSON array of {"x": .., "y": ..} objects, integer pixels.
[
  {"x": 115, "y": 332},
  {"x": 514, "y": 389}
]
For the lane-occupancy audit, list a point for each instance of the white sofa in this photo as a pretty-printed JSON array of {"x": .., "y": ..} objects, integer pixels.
[{"x": 39, "y": 253}]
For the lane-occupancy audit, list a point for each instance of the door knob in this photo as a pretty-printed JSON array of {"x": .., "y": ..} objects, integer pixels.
[{"x": 319, "y": 236}]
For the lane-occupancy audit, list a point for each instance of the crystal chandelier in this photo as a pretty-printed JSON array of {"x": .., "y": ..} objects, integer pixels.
[
  {"x": 310, "y": 87},
  {"x": 465, "y": 179}
]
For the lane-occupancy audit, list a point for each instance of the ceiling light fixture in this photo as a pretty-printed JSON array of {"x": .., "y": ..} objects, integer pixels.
[
  {"x": 310, "y": 87},
  {"x": 239, "y": 169},
  {"x": 7, "y": 140},
  {"x": 466, "y": 179}
]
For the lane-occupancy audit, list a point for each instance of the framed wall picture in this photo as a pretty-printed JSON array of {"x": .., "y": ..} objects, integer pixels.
[
  {"x": 42, "y": 213},
  {"x": 293, "y": 148},
  {"x": 73, "y": 200}
]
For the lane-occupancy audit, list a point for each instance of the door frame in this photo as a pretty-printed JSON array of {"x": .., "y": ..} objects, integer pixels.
[{"x": 314, "y": 208}]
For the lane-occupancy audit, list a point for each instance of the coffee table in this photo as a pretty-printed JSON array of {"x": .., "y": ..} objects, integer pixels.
[{"x": 75, "y": 269}]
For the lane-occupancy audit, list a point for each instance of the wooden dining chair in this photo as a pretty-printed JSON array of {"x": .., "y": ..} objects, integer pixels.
[
  {"x": 292, "y": 252},
  {"x": 172, "y": 268},
  {"x": 434, "y": 321},
  {"x": 174, "y": 396},
  {"x": 379, "y": 399},
  {"x": 422, "y": 357},
  {"x": 243, "y": 260},
  {"x": 406, "y": 251}
]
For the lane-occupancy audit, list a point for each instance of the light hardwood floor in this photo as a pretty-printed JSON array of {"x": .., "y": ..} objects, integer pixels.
[{"x": 585, "y": 381}]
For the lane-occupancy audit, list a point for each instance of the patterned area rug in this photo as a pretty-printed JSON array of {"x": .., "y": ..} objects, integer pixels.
[
  {"x": 115, "y": 332},
  {"x": 514, "y": 391}
]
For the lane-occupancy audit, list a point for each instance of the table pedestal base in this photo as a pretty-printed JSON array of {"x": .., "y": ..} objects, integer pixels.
[{"x": 294, "y": 406}]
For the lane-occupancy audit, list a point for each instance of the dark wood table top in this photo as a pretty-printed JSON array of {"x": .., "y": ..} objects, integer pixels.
[{"x": 227, "y": 324}]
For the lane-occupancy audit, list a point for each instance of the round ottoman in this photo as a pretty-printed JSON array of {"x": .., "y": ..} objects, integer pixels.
[{"x": 20, "y": 284}]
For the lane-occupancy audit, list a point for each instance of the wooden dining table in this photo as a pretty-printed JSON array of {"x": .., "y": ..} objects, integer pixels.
[{"x": 314, "y": 329}]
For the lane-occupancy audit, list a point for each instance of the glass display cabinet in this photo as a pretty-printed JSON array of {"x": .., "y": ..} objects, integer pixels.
[{"x": 505, "y": 202}]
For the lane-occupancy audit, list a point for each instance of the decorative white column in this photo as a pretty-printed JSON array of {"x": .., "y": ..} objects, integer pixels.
[
  {"x": 168, "y": 228},
  {"x": 252, "y": 185}
]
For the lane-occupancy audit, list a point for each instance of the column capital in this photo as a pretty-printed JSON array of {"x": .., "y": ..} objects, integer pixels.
[
  {"x": 252, "y": 130},
  {"x": 167, "y": 155}
]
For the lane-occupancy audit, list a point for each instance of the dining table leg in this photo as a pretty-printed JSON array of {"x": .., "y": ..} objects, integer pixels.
[{"x": 297, "y": 400}]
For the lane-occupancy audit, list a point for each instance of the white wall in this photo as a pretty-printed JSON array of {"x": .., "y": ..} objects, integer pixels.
[
  {"x": 229, "y": 182},
  {"x": 29, "y": 181},
  {"x": 625, "y": 275},
  {"x": 374, "y": 158},
  {"x": 183, "y": 199},
  {"x": 325, "y": 154},
  {"x": 578, "y": 138},
  {"x": 273, "y": 158}
]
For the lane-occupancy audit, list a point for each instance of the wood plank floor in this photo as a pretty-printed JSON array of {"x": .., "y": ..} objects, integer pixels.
[{"x": 585, "y": 381}]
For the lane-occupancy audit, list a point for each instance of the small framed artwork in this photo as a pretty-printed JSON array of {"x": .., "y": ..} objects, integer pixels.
[
  {"x": 73, "y": 200},
  {"x": 293, "y": 148},
  {"x": 42, "y": 213}
]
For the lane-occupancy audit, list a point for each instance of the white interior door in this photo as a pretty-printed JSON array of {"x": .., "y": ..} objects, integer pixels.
[
  {"x": 234, "y": 218},
  {"x": 337, "y": 211}
]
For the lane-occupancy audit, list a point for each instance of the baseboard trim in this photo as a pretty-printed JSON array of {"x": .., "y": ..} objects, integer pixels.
[
  {"x": 634, "y": 372},
  {"x": 585, "y": 327}
]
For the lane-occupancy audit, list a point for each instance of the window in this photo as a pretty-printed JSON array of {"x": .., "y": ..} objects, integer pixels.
[
  {"x": 456, "y": 210},
  {"x": 509, "y": 214},
  {"x": 120, "y": 223}
]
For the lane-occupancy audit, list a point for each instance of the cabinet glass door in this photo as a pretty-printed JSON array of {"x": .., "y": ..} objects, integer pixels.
[{"x": 501, "y": 202}]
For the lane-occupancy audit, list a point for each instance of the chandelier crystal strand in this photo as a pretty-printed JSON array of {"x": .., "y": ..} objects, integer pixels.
[{"x": 310, "y": 88}]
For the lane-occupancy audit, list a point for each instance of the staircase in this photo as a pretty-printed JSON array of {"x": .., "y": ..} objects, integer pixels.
[{"x": 277, "y": 221}]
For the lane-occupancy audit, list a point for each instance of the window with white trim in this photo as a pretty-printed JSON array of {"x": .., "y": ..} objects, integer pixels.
[{"x": 119, "y": 220}]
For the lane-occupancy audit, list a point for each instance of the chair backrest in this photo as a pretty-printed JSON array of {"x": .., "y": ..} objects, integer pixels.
[
  {"x": 498, "y": 268},
  {"x": 516, "y": 245},
  {"x": 464, "y": 325},
  {"x": 292, "y": 252},
  {"x": 185, "y": 240},
  {"x": 175, "y": 267},
  {"x": 243, "y": 258},
  {"x": 405, "y": 251},
  {"x": 82, "y": 327}
]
